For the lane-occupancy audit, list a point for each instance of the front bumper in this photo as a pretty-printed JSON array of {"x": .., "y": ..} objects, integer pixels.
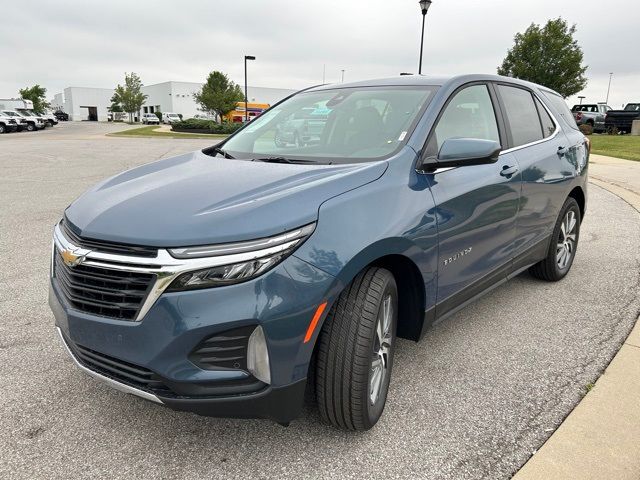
[
  {"x": 280, "y": 404},
  {"x": 282, "y": 302}
]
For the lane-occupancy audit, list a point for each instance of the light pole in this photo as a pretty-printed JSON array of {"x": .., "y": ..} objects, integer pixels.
[
  {"x": 246, "y": 98},
  {"x": 424, "y": 6},
  {"x": 342, "y": 81},
  {"x": 581, "y": 97},
  {"x": 609, "y": 88}
]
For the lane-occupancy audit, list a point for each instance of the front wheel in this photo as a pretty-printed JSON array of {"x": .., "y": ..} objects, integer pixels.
[
  {"x": 563, "y": 245},
  {"x": 30, "y": 127},
  {"x": 355, "y": 352},
  {"x": 2, "y": 129}
]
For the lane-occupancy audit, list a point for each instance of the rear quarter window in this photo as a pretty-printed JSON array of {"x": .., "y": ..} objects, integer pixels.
[{"x": 560, "y": 106}]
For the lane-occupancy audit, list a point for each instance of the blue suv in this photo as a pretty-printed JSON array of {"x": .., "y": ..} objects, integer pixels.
[{"x": 228, "y": 281}]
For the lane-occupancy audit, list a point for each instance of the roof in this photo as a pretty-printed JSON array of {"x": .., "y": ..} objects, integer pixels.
[{"x": 429, "y": 80}]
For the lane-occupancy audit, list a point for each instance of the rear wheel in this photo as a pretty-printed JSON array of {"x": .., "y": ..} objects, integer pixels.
[
  {"x": 355, "y": 352},
  {"x": 563, "y": 246}
]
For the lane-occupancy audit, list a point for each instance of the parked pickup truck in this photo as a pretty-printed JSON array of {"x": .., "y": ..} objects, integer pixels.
[
  {"x": 591, "y": 114},
  {"x": 622, "y": 119}
]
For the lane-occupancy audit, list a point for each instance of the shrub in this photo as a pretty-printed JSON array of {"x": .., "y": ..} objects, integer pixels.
[
  {"x": 205, "y": 126},
  {"x": 586, "y": 129},
  {"x": 159, "y": 115}
]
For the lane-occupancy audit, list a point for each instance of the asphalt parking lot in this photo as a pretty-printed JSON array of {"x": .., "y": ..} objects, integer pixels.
[{"x": 474, "y": 399}]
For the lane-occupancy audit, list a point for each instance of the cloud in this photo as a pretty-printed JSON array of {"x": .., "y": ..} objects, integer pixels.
[{"x": 75, "y": 42}]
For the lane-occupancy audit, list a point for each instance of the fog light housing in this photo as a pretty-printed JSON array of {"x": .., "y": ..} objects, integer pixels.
[{"x": 258, "y": 356}]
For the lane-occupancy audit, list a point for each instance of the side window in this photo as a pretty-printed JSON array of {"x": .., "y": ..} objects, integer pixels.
[
  {"x": 521, "y": 114},
  {"x": 548, "y": 127},
  {"x": 561, "y": 108},
  {"x": 469, "y": 114}
]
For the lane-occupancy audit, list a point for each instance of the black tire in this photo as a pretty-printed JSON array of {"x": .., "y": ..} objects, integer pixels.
[
  {"x": 552, "y": 268},
  {"x": 2, "y": 129},
  {"x": 49, "y": 123},
  {"x": 30, "y": 127},
  {"x": 348, "y": 348}
]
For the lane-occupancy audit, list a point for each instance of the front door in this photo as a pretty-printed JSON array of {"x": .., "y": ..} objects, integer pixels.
[{"x": 476, "y": 205}]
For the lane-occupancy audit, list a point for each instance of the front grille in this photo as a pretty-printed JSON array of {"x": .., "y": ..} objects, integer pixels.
[
  {"x": 119, "y": 370},
  {"x": 102, "y": 291},
  {"x": 223, "y": 351},
  {"x": 106, "y": 247}
]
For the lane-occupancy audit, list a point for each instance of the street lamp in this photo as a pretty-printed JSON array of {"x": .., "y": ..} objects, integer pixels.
[
  {"x": 246, "y": 109},
  {"x": 609, "y": 88},
  {"x": 581, "y": 97},
  {"x": 424, "y": 6}
]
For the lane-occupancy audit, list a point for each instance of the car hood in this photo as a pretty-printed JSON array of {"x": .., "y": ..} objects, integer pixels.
[{"x": 196, "y": 199}]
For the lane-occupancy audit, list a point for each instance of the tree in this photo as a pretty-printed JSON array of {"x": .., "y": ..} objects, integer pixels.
[
  {"x": 218, "y": 95},
  {"x": 37, "y": 95},
  {"x": 129, "y": 97},
  {"x": 549, "y": 56}
]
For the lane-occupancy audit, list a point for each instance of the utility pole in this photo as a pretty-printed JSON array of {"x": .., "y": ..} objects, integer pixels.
[{"x": 609, "y": 88}]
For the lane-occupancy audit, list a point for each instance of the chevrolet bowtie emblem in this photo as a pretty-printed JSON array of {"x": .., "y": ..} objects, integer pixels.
[{"x": 72, "y": 258}]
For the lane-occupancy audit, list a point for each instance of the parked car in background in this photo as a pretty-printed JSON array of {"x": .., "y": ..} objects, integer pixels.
[
  {"x": 224, "y": 287},
  {"x": 40, "y": 123},
  {"x": 301, "y": 128},
  {"x": 25, "y": 122},
  {"x": 61, "y": 116},
  {"x": 150, "y": 119},
  {"x": 7, "y": 124},
  {"x": 205, "y": 116},
  {"x": 591, "y": 114},
  {"x": 49, "y": 118},
  {"x": 622, "y": 120},
  {"x": 170, "y": 117}
]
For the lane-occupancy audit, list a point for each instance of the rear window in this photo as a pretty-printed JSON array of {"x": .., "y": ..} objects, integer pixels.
[
  {"x": 522, "y": 115},
  {"x": 548, "y": 127},
  {"x": 560, "y": 106}
]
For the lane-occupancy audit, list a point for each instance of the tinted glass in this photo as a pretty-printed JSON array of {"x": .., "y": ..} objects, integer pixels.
[
  {"x": 561, "y": 108},
  {"x": 522, "y": 115},
  {"x": 548, "y": 127},
  {"x": 343, "y": 123},
  {"x": 469, "y": 114}
]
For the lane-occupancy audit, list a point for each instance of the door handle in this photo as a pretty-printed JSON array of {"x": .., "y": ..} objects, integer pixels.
[
  {"x": 509, "y": 170},
  {"x": 562, "y": 151}
]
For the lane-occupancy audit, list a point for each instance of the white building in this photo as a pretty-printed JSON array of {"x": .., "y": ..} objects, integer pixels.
[{"x": 84, "y": 103}]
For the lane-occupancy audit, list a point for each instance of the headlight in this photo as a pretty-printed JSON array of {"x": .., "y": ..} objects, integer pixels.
[{"x": 247, "y": 259}]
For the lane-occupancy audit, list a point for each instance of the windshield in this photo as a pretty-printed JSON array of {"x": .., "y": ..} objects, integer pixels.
[
  {"x": 26, "y": 113},
  {"x": 173, "y": 115},
  {"x": 11, "y": 114},
  {"x": 634, "y": 107},
  {"x": 362, "y": 123}
]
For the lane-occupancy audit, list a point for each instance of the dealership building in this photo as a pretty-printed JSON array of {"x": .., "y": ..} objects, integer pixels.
[{"x": 87, "y": 103}]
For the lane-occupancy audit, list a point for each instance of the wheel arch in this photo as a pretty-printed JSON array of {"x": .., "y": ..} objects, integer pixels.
[{"x": 578, "y": 195}]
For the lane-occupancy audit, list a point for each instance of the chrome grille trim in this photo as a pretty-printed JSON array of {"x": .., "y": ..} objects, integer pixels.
[{"x": 165, "y": 267}]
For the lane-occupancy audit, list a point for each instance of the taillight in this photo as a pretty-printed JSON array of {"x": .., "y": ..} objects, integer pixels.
[{"x": 579, "y": 116}]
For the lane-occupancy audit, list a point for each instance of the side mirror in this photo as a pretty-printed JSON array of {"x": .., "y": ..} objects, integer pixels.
[{"x": 460, "y": 152}]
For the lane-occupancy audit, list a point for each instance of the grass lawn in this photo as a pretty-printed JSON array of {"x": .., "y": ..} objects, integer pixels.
[
  {"x": 151, "y": 131},
  {"x": 620, "y": 146}
]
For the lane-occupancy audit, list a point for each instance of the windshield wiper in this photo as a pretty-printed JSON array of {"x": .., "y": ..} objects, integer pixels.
[
  {"x": 281, "y": 160},
  {"x": 222, "y": 152}
]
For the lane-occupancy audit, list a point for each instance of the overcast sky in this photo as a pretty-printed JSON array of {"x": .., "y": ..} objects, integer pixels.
[{"x": 65, "y": 43}]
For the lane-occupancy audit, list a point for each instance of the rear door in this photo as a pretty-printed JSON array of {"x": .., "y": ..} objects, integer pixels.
[
  {"x": 476, "y": 205},
  {"x": 543, "y": 154}
]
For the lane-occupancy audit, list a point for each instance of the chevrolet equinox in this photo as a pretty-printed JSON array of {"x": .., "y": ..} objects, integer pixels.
[{"x": 226, "y": 281}]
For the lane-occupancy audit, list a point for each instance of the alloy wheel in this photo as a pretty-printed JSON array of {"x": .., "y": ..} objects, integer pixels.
[
  {"x": 381, "y": 350},
  {"x": 566, "y": 245}
]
